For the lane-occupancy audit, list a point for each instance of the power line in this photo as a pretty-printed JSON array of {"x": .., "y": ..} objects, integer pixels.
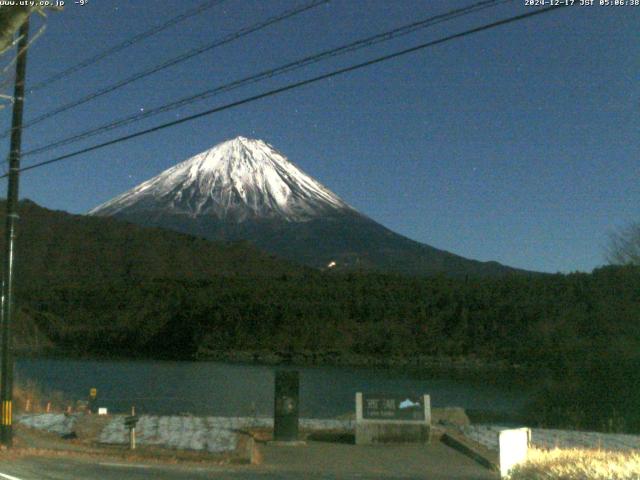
[
  {"x": 125, "y": 44},
  {"x": 293, "y": 86},
  {"x": 286, "y": 68},
  {"x": 171, "y": 62}
]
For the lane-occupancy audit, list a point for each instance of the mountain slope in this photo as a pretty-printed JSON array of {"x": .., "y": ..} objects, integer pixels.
[
  {"x": 57, "y": 248},
  {"x": 244, "y": 189}
]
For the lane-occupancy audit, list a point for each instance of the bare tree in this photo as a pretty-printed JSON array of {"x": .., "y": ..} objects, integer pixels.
[
  {"x": 624, "y": 246},
  {"x": 11, "y": 18}
]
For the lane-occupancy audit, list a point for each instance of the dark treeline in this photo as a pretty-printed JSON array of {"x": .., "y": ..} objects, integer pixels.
[{"x": 579, "y": 333}]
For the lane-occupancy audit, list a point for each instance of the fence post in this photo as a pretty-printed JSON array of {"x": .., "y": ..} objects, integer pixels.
[{"x": 132, "y": 431}]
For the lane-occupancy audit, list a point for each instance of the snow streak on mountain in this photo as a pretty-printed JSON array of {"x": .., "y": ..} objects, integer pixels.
[{"x": 235, "y": 181}]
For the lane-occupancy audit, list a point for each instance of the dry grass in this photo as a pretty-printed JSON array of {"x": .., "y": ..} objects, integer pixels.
[
  {"x": 29, "y": 397},
  {"x": 577, "y": 464}
]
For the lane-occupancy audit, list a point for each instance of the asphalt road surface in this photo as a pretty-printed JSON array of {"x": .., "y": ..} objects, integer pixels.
[{"x": 314, "y": 461}]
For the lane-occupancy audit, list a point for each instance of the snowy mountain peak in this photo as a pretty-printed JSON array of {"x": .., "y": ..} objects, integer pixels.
[{"x": 236, "y": 180}]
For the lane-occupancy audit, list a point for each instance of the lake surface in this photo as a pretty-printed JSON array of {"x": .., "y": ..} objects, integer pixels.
[{"x": 218, "y": 388}]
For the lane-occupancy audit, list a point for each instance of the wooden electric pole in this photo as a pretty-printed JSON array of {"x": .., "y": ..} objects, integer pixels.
[{"x": 6, "y": 312}]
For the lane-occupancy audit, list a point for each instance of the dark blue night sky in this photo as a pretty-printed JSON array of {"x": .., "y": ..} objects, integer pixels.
[{"x": 518, "y": 144}]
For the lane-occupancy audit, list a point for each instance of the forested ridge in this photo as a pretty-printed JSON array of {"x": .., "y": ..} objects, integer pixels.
[
  {"x": 96, "y": 287},
  {"x": 578, "y": 333},
  {"x": 520, "y": 319}
]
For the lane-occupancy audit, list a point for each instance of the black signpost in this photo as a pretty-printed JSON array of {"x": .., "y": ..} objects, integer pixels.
[
  {"x": 287, "y": 385},
  {"x": 130, "y": 422}
]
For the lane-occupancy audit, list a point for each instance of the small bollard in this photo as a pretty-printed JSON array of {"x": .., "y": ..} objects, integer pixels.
[
  {"x": 48, "y": 408},
  {"x": 130, "y": 422},
  {"x": 27, "y": 407},
  {"x": 93, "y": 400},
  {"x": 132, "y": 429}
]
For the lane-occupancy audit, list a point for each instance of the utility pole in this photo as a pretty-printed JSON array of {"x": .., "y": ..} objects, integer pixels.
[{"x": 6, "y": 313}]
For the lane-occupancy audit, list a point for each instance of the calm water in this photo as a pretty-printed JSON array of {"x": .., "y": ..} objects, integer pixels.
[{"x": 216, "y": 388}]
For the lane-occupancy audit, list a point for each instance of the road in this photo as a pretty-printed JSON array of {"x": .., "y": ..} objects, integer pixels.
[{"x": 314, "y": 461}]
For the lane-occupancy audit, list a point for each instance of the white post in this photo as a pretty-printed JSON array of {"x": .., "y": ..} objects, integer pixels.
[
  {"x": 359, "y": 406},
  {"x": 514, "y": 446},
  {"x": 427, "y": 409},
  {"x": 132, "y": 431}
]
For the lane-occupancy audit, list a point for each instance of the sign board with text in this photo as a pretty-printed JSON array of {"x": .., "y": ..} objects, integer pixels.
[
  {"x": 392, "y": 407},
  {"x": 392, "y": 418}
]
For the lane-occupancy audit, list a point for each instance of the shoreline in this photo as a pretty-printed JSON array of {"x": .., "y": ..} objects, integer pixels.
[
  {"x": 303, "y": 359},
  {"x": 337, "y": 359}
]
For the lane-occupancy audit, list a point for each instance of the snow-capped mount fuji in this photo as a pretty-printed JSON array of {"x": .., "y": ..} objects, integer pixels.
[
  {"x": 244, "y": 189},
  {"x": 238, "y": 180}
]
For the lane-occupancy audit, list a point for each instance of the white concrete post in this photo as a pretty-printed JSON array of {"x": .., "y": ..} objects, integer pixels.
[
  {"x": 427, "y": 409},
  {"x": 513, "y": 445}
]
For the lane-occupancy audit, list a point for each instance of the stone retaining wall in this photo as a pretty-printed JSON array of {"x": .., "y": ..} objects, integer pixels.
[
  {"x": 211, "y": 434},
  {"x": 487, "y": 435}
]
